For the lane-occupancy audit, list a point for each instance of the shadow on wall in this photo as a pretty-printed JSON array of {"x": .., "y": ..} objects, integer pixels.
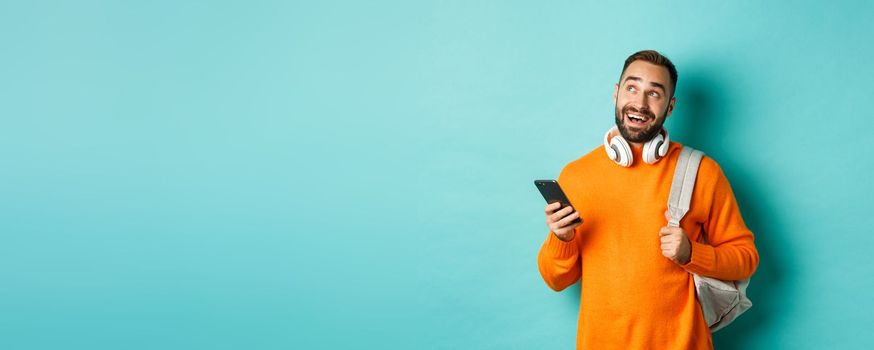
[{"x": 704, "y": 119}]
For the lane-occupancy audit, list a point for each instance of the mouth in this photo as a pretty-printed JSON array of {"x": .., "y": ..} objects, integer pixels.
[{"x": 637, "y": 120}]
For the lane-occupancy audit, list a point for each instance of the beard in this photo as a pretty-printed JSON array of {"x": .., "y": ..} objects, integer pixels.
[{"x": 637, "y": 135}]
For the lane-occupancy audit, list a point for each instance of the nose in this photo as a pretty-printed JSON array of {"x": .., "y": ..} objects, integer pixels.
[{"x": 641, "y": 102}]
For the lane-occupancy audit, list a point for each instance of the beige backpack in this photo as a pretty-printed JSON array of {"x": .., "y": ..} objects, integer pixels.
[{"x": 721, "y": 301}]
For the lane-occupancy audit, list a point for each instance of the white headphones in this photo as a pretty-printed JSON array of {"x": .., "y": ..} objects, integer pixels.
[{"x": 620, "y": 151}]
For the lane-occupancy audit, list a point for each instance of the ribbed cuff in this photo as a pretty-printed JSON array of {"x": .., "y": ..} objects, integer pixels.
[
  {"x": 703, "y": 259},
  {"x": 559, "y": 248}
]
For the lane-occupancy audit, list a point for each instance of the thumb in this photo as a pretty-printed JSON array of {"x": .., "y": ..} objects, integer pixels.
[{"x": 667, "y": 215}]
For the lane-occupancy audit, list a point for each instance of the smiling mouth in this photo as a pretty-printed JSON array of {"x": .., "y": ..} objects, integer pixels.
[{"x": 637, "y": 120}]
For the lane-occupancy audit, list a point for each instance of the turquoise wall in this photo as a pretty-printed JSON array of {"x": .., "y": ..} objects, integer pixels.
[{"x": 328, "y": 175}]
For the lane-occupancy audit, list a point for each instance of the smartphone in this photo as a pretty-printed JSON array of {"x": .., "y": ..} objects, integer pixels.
[{"x": 552, "y": 193}]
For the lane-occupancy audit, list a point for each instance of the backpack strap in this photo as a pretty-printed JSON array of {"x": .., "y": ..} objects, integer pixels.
[{"x": 683, "y": 185}]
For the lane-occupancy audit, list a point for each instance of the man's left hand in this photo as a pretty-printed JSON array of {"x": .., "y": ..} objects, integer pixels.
[{"x": 675, "y": 245}]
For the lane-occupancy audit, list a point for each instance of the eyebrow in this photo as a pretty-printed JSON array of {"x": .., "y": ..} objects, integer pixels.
[{"x": 638, "y": 79}]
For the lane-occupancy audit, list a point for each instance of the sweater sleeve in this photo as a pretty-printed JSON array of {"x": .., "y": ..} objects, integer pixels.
[
  {"x": 729, "y": 253},
  {"x": 559, "y": 261}
]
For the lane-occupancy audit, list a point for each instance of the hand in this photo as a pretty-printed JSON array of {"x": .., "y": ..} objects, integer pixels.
[
  {"x": 675, "y": 245},
  {"x": 559, "y": 222}
]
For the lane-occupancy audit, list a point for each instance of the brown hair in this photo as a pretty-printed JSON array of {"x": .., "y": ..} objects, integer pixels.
[{"x": 654, "y": 57}]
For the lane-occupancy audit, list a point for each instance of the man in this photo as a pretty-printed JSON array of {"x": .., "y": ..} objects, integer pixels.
[{"x": 637, "y": 291}]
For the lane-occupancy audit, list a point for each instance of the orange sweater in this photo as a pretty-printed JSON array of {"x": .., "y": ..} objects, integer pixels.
[{"x": 632, "y": 297}]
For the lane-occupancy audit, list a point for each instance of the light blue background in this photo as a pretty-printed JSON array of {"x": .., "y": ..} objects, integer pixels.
[{"x": 329, "y": 175}]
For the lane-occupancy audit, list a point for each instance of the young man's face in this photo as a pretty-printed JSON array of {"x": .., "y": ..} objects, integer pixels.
[{"x": 644, "y": 100}]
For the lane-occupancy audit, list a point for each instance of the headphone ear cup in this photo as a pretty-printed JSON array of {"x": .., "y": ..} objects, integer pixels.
[
  {"x": 609, "y": 147},
  {"x": 657, "y": 151},
  {"x": 612, "y": 152},
  {"x": 651, "y": 149},
  {"x": 623, "y": 150},
  {"x": 660, "y": 150},
  {"x": 617, "y": 148},
  {"x": 663, "y": 150},
  {"x": 615, "y": 153}
]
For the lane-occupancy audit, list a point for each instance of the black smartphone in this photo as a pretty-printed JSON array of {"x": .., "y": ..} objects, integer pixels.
[{"x": 552, "y": 193}]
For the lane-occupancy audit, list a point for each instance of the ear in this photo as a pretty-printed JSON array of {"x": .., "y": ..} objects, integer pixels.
[
  {"x": 615, "y": 91},
  {"x": 671, "y": 106}
]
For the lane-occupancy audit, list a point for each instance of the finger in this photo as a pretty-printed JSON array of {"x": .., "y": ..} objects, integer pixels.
[
  {"x": 561, "y": 213},
  {"x": 564, "y": 224},
  {"x": 568, "y": 228},
  {"x": 554, "y": 227},
  {"x": 556, "y": 215},
  {"x": 551, "y": 207},
  {"x": 667, "y": 215},
  {"x": 669, "y": 252},
  {"x": 664, "y": 231},
  {"x": 557, "y": 225},
  {"x": 670, "y": 237},
  {"x": 668, "y": 230},
  {"x": 567, "y": 219}
]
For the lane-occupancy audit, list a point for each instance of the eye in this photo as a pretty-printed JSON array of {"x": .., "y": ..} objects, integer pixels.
[
  {"x": 654, "y": 94},
  {"x": 632, "y": 89}
]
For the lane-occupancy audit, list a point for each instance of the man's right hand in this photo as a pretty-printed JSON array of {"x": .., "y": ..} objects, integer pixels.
[{"x": 559, "y": 222}]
